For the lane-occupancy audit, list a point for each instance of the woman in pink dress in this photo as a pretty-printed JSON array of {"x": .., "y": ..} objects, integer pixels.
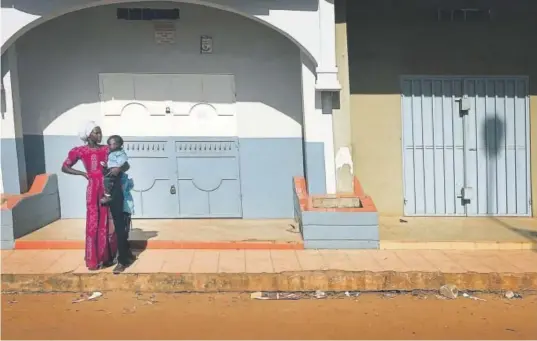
[{"x": 101, "y": 236}]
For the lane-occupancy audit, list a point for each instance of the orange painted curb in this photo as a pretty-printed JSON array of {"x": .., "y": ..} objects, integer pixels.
[
  {"x": 160, "y": 244},
  {"x": 49, "y": 244}
]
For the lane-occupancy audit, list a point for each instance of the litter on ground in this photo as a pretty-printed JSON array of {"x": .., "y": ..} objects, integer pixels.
[
  {"x": 473, "y": 297},
  {"x": 95, "y": 295}
]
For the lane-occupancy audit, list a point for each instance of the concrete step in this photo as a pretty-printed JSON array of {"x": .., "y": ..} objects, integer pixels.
[
  {"x": 457, "y": 245},
  {"x": 330, "y": 280},
  {"x": 274, "y": 270},
  {"x": 22, "y": 244}
]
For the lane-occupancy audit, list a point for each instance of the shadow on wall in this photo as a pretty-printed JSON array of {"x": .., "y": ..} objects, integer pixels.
[
  {"x": 387, "y": 39},
  {"x": 273, "y": 79},
  {"x": 493, "y": 138}
]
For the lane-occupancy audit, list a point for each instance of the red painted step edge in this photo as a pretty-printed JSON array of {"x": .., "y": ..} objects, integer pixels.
[{"x": 161, "y": 244}]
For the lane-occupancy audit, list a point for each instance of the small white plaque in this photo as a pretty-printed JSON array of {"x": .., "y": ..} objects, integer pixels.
[
  {"x": 165, "y": 32},
  {"x": 206, "y": 45}
]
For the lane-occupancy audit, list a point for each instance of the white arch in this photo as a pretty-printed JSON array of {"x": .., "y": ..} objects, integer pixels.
[{"x": 36, "y": 21}]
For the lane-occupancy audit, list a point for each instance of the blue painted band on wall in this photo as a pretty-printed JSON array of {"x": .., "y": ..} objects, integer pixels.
[
  {"x": 13, "y": 165},
  {"x": 34, "y": 153},
  {"x": 23, "y": 183},
  {"x": 315, "y": 170},
  {"x": 267, "y": 166}
]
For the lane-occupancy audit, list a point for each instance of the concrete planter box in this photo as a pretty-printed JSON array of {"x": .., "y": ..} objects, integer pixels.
[
  {"x": 340, "y": 230},
  {"x": 336, "y": 227}
]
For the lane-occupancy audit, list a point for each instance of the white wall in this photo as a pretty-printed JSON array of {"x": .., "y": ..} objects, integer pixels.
[
  {"x": 10, "y": 124},
  {"x": 317, "y": 130},
  {"x": 13, "y": 176},
  {"x": 60, "y": 62},
  {"x": 18, "y": 16}
]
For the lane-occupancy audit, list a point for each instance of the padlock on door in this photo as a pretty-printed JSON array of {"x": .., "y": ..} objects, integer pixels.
[
  {"x": 467, "y": 193},
  {"x": 465, "y": 105}
]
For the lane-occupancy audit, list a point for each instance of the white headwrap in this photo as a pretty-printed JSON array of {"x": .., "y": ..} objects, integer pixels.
[{"x": 86, "y": 130}]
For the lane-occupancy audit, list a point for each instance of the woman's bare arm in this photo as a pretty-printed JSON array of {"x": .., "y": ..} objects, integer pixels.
[{"x": 72, "y": 171}]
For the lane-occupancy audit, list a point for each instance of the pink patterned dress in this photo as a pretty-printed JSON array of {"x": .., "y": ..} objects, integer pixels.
[{"x": 101, "y": 243}]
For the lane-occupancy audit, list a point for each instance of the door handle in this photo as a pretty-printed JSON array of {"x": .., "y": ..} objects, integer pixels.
[{"x": 172, "y": 190}]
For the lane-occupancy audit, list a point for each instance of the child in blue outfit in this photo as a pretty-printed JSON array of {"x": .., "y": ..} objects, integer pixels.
[
  {"x": 128, "y": 203},
  {"x": 116, "y": 158}
]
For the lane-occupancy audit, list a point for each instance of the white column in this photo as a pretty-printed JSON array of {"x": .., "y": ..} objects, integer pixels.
[
  {"x": 327, "y": 79},
  {"x": 13, "y": 163},
  {"x": 318, "y": 136},
  {"x": 341, "y": 116},
  {"x": 319, "y": 83}
]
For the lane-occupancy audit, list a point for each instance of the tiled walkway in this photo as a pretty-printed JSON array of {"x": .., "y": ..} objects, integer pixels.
[{"x": 278, "y": 261}]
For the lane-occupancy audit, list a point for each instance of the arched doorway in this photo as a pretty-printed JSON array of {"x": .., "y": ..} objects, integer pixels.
[{"x": 186, "y": 116}]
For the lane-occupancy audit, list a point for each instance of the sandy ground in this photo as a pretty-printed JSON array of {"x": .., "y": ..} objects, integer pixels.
[{"x": 236, "y": 316}]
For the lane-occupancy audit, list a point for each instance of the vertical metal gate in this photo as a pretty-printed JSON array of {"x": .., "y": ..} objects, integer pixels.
[
  {"x": 466, "y": 146},
  {"x": 196, "y": 177},
  {"x": 208, "y": 179}
]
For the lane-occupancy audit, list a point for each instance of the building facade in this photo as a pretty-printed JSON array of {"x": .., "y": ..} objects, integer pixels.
[
  {"x": 443, "y": 104},
  {"x": 221, "y": 103}
]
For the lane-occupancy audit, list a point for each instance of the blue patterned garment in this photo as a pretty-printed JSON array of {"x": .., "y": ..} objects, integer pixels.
[
  {"x": 117, "y": 158},
  {"x": 127, "y": 184}
]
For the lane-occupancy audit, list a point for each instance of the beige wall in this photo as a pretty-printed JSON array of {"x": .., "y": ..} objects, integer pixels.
[{"x": 390, "y": 38}]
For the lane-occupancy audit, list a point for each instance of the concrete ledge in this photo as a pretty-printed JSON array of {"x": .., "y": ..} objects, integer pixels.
[
  {"x": 457, "y": 245},
  {"x": 285, "y": 281},
  {"x": 22, "y": 244},
  {"x": 25, "y": 213},
  {"x": 336, "y": 227},
  {"x": 341, "y": 244}
]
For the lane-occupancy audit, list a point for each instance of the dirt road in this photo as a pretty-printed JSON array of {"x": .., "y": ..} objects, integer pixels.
[{"x": 234, "y": 316}]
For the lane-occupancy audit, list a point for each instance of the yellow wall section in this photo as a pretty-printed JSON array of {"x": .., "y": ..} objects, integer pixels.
[{"x": 388, "y": 39}]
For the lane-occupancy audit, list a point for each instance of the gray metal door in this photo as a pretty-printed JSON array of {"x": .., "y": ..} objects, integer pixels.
[
  {"x": 187, "y": 178},
  {"x": 498, "y": 155},
  {"x": 466, "y": 146},
  {"x": 208, "y": 179}
]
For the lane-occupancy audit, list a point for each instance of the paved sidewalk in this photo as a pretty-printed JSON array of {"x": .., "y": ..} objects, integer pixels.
[
  {"x": 247, "y": 270},
  {"x": 275, "y": 261}
]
